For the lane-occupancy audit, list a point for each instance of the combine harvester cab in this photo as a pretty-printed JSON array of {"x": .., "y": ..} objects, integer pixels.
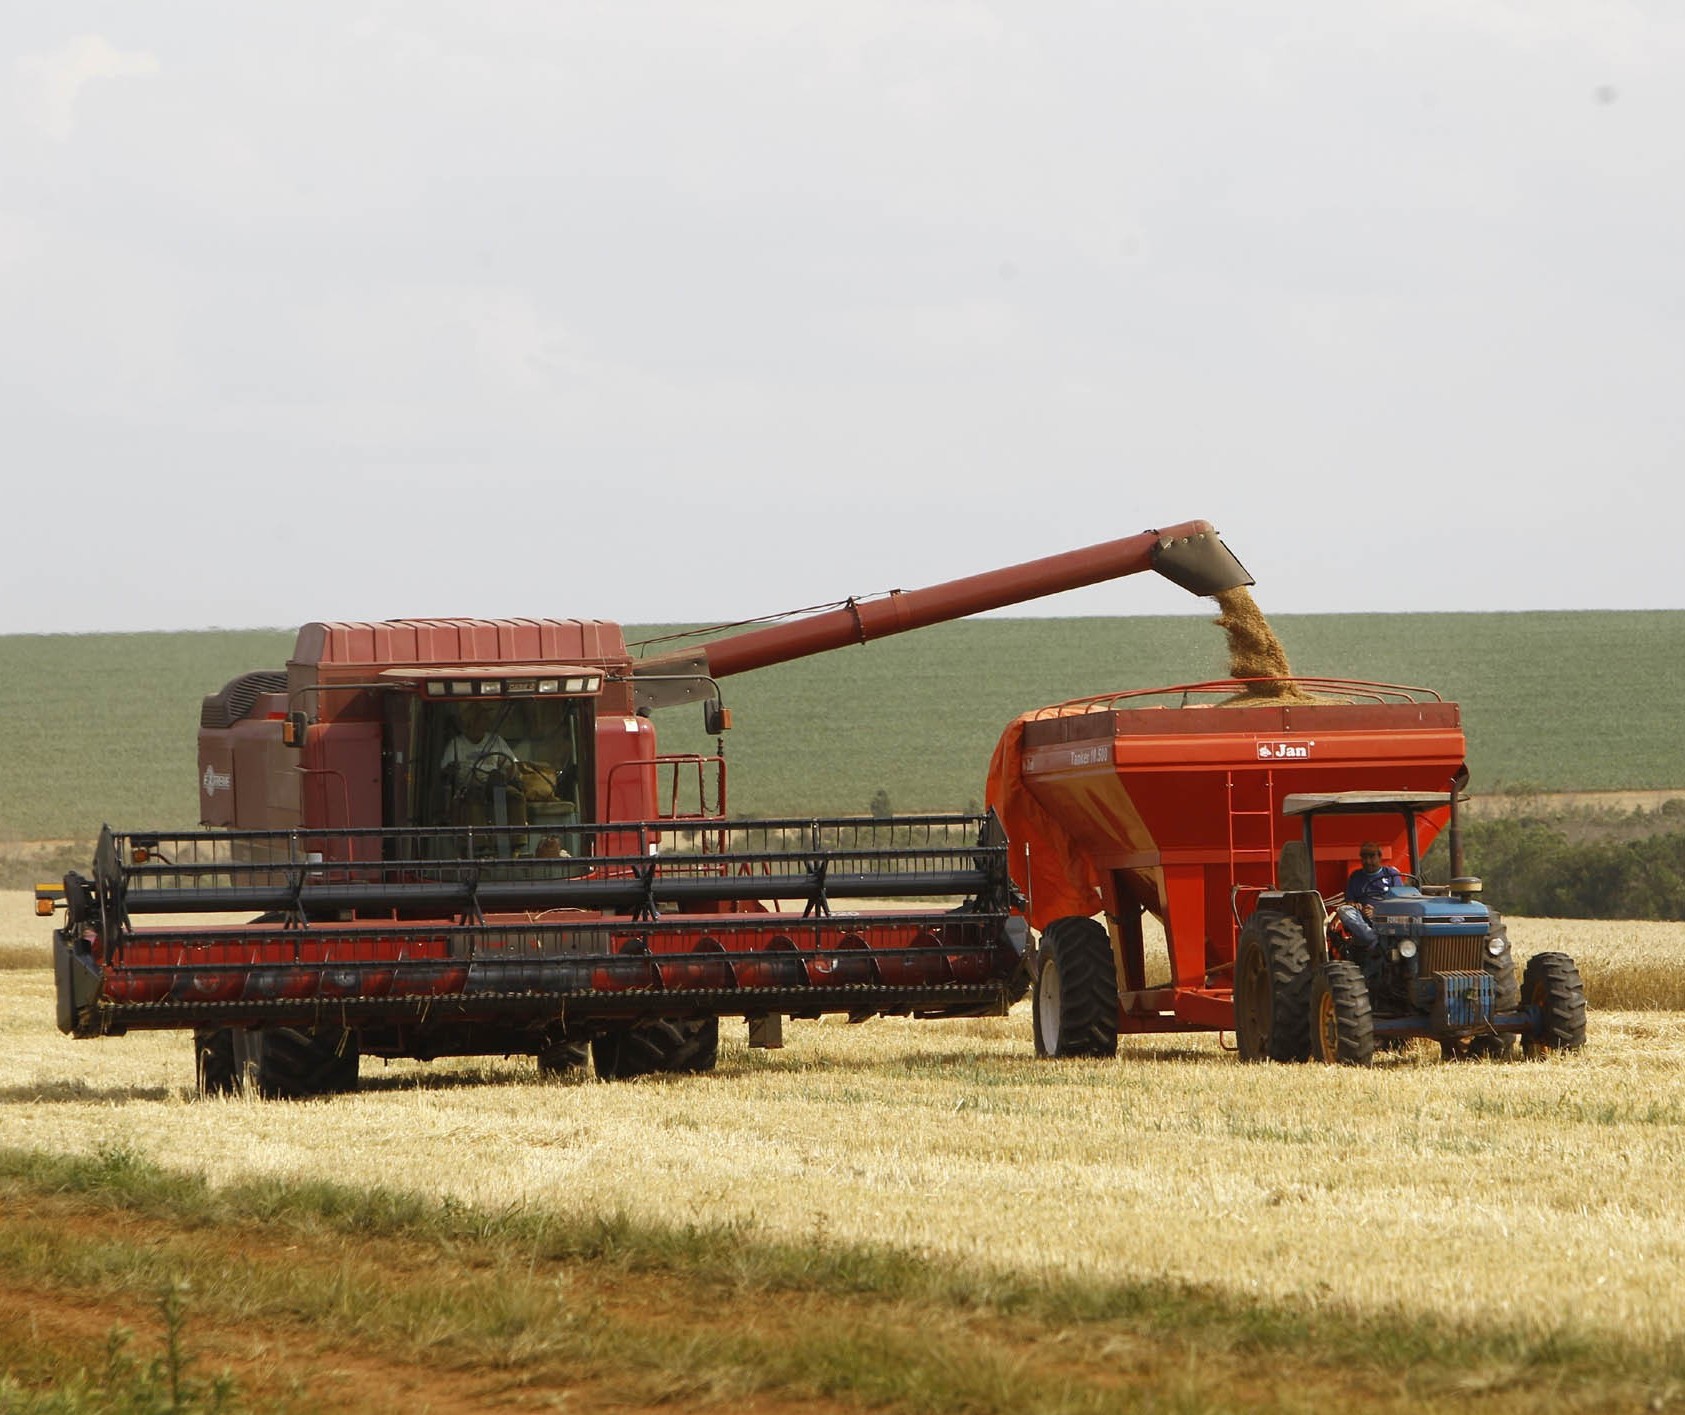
[
  {"x": 459, "y": 837},
  {"x": 1233, "y": 812}
]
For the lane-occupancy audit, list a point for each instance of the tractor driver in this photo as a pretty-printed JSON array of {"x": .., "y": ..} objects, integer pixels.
[{"x": 1370, "y": 881}]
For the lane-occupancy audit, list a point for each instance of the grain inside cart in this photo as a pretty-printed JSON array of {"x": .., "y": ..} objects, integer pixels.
[{"x": 564, "y": 885}]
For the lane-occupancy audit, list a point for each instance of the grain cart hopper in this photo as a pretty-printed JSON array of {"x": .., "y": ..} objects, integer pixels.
[
  {"x": 558, "y": 884},
  {"x": 1233, "y": 812}
]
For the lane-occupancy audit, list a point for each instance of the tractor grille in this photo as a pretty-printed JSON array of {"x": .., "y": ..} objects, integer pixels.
[{"x": 1453, "y": 955}]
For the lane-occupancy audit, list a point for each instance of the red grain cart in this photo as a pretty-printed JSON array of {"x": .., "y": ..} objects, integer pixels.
[{"x": 1234, "y": 816}]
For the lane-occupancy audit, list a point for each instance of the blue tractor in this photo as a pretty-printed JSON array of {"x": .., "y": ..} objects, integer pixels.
[{"x": 1420, "y": 961}]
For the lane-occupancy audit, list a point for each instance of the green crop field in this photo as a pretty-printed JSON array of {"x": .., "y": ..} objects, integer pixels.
[{"x": 101, "y": 728}]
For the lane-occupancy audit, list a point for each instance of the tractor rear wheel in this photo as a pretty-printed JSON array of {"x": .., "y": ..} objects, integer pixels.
[
  {"x": 1552, "y": 984},
  {"x": 1272, "y": 989},
  {"x": 295, "y": 1063},
  {"x": 1075, "y": 991},
  {"x": 1342, "y": 1024},
  {"x": 652, "y": 1047}
]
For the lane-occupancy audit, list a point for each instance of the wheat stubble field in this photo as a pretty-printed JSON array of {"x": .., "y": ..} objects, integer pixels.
[{"x": 1168, "y": 1230}]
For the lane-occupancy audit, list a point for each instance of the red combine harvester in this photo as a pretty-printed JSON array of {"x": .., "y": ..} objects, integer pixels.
[
  {"x": 458, "y": 837},
  {"x": 1234, "y": 815}
]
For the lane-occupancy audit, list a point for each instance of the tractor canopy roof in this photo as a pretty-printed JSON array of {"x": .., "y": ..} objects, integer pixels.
[{"x": 1363, "y": 803}]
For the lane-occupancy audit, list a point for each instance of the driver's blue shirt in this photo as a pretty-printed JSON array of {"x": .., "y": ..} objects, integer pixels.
[{"x": 1365, "y": 886}]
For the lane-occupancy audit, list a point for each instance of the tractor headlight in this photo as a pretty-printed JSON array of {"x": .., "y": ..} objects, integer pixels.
[
  {"x": 1407, "y": 948},
  {"x": 1496, "y": 945}
]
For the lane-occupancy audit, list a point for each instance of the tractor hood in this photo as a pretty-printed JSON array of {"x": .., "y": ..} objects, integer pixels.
[{"x": 1408, "y": 913}]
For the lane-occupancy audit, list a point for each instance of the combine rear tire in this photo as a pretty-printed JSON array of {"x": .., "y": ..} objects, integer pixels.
[
  {"x": 562, "y": 1058},
  {"x": 213, "y": 1061},
  {"x": 1342, "y": 1025},
  {"x": 1552, "y": 984},
  {"x": 1272, "y": 989},
  {"x": 1075, "y": 1003},
  {"x": 652, "y": 1047},
  {"x": 295, "y": 1063}
]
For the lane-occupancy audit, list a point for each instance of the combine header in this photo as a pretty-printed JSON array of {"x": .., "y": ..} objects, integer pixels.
[{"x": 458, "y": 837}]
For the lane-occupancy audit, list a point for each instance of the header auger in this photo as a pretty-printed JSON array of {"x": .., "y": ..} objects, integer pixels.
[{"x": 458, "y": 837}]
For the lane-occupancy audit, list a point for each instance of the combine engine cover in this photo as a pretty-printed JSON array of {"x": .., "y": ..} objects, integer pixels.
[{"x": 428, "y": 943}]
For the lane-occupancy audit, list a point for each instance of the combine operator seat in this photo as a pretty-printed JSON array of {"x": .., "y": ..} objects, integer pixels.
[{"x": 549, "y": 777}]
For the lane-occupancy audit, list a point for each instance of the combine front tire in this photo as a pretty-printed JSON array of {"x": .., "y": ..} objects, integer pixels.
[
  {"x": 1342, "y": 1025},
  {"x": 1552, "y": 984},
  {"x": 651, "y": 1047},
  {"x": 1272, "y": 989},
  {"x": 1075, "y": 994},
  {"x": 295, "y": 1063}
]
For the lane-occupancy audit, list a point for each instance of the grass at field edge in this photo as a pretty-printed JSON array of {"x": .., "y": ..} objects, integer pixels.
[{"x": 1428, "y": 1359}]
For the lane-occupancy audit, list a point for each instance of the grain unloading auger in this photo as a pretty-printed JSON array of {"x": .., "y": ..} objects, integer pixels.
[{"x": 458, "y": 837}]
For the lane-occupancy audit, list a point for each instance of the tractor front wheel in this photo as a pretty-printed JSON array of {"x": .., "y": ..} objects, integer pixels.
[
  {"x": 1342, "y": 1024},
  {"x": 1075, "y": 994},
  {"x": 663, "y": 1045},
  {"x": 1272, "y": 989},
  {"x": 1552, "y": 984}
]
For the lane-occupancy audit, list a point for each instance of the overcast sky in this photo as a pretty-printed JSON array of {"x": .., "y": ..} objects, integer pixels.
[{"x": 657, "y": 311}]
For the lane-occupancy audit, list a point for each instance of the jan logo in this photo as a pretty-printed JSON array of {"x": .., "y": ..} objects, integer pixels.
[{"x": 1283, "y": 751}]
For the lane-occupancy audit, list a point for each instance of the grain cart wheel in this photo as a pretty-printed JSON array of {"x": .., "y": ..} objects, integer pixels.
[
  {"x": 213, "y": 1061},
  {"x": 1552, "y": 984},
  {"x": 1075, "y": 1003},
  {"x": 295, "y": 1063},
  {"x": 1342, "y": 1026},
  {"x": 1272, "y": 989},
  {"x": 652, "y": 1047}
]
